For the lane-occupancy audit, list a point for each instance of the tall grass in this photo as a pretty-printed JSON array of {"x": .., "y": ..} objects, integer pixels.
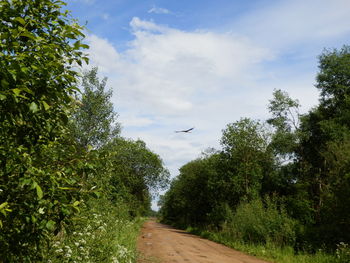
[
  {"x": 263, "y": 229},
  {"x": 102, "y": 233},
  {"x": 261, "y": 223}
]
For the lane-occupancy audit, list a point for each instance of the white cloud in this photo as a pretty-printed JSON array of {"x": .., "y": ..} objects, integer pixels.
[
  {"x": 165, "y": 70},
  {"x": 103, "y": 54},
  {"x": 138, "y": 25},
  {"x": 168, "y": 79},
  {"x": 295, "y": 22},
  {"x": 159, "y": 10},
  {"x": 130, "y": 120}
]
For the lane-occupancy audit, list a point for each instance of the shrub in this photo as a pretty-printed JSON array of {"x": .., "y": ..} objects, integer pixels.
[
  {"x": 103, "y": 232},
  {"x": 258, "y": 222}
]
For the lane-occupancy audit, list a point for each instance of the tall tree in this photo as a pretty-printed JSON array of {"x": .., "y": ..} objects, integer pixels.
[
  {"x": 94, "y": 120},
  {"x": 245, "y": 146},
  {"x": 39, "y": 49},
  {"x": 285, "y": 120},
  {"x": 323, "y": 151},
  {"x": 135, "y": 172}
]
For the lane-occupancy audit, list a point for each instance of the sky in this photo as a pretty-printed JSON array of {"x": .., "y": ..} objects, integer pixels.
[{"x": 174, "y": 65}]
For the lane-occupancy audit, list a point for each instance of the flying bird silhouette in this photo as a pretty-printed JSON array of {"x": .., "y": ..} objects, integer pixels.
[{"x": 186, "y": 131}]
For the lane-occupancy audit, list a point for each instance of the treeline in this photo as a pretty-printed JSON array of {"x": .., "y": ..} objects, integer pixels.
[
  {"x": 284, "y": 181},
  {"x": 70, "y": 185}
]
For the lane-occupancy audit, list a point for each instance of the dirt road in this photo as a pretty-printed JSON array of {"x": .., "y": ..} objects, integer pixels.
[{"x": 163, "y": 244}]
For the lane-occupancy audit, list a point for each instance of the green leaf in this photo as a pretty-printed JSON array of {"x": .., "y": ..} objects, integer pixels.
[
  {"x": 4, "y": 83},
  {"x": 50, "y": 225},
  {"x": 33, "y": 107},
  {"x": 97, "y": 194},
  {"x": 84, "y": 46},
  {"x": 20, "y": 20},
  {"x": 3, "y": 205},
  {"x": 16, "y": 91},
  {"x": 75, "y": 205},
  {"x": 86, "y": 59},
  {"x": 46, "y": 106},
  {"x": 2, "y": 97},
  {"x": 27, "y": 34},
  {"x": 39, "y": 192}
]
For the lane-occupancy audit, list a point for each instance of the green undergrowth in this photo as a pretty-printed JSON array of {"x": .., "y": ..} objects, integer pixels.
[
  {"x": 100, "y": 233},
  {"x": 276, "y": 254}
]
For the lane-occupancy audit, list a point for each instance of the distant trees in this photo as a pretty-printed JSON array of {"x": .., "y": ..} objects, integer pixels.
[
  {"x": 134, "y": 173},
  {"x": 297, "y": 169}
]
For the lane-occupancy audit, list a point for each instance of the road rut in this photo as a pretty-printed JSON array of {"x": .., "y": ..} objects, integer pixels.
[{"x": 163, "y": 244}]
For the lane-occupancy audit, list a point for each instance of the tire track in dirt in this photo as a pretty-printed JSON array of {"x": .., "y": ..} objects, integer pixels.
[{"x": 160, "y": 243}]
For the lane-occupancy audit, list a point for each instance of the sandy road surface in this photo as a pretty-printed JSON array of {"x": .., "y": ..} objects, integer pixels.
[{"x": 163, "y": 244}]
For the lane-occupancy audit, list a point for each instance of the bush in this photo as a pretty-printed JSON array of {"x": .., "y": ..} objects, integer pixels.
[
  {"x": 103, "y": 232},
  {"x": 258, "y": 222}
]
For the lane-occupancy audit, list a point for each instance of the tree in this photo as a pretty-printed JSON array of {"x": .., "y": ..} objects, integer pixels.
[
  {"x": 93, "y": 122},
  {"x": 322, "y": 153},
  {"x": 134, "y": 172},
  {"x": 39, "y": 48},
  {"x": 245, "y": 147},
  {"x": 333, "y": 81},
  {"x": 285, "y": 120}
]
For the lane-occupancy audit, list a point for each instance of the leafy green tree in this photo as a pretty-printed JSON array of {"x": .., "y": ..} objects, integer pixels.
[
  {"x": 93, "y": 123},
  {"x": 188, "y": 201},
  {"x": 333, "y": 81},
  {"x": 284, "y": 179},
  {"x": 322, "y": 153},
  {"x": 135, "y": 172},
  {"x": 285, "y": 120},
  {"x": 245, "y": 147},
  {"x": 39, "y": 49}
]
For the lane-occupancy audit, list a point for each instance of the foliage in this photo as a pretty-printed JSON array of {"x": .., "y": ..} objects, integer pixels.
[
  {"x": 49, "y": 176},
  {"x": 261, "y": 223},
  {"x": 285, "y": 120},
  {"x": 272, "y": 253},
  {"x": 40, "y": 44},
  {"x": 247, "y": 159},
  {"x": 323, "y": 150},
  {"x": 135, "y": 172},
  {"x": 92, "y": 122},
  {"x": 190, "y": 199},
  {"x": 100, "y": 234}
]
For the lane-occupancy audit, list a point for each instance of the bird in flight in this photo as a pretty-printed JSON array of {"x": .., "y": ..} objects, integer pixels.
[{"x": 189, "y": 130}]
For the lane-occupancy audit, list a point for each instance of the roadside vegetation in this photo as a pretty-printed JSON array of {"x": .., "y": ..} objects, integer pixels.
[
  {"x": 278, "y": 188},
  {"x": 71, "y": 188}
]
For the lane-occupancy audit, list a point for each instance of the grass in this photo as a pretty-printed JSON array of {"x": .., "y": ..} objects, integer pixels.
[{"x": 270, "y": 252}]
